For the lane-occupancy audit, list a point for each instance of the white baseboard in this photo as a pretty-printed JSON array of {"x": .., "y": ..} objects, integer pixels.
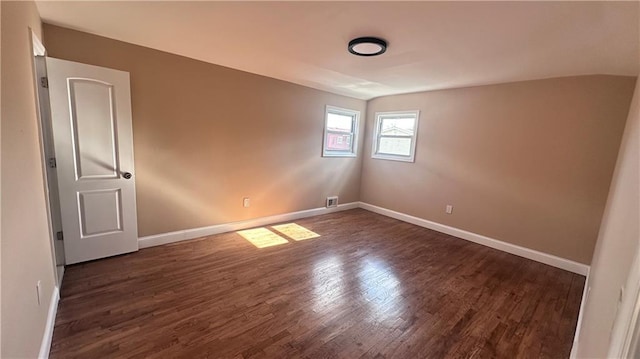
[
  {"x": 537, "y": 256},
  {"x": 165, "y": 238},
  {"x": 171, "y": 237},
  {"x": 583, "y": 304},
  {"x": 45, "y": 346}
]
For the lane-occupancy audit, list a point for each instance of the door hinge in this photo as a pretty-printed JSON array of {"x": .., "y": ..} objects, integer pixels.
[
  {"x": 44, "y": 82},
  {"x": 59, "y": 236},
  {"x": 52, "y": 162}
]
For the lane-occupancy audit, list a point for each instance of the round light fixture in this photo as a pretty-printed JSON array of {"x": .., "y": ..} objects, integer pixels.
[{"x": 367, "y": 46}]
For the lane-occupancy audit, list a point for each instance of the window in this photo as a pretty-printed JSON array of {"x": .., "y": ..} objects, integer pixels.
[
  {"x": 340, "y": 132},
  {"x": 395, "y": 135}
]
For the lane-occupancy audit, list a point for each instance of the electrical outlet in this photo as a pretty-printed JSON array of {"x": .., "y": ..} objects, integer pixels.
[
  {"x": 332, "y": 201},
  {"x": 449, "y": 209},
  {"x": 38, "y": 291},
  {"x": 246, "y": 202}
]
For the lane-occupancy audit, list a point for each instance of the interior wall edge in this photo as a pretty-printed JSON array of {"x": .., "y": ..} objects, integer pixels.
[
  {"x": 26, "y": 251},
  {"x": 617, "y": 243}
]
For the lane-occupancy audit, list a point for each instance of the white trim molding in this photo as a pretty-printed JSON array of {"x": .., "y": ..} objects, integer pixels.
[
  {"x": 183, "y": 235},
  {"x": 45, "y": 346},
  {"x": 625, "y": 335},
  {"x": 377, "y": 136},
  {"x": 537, "y": 256},
  {"x": 583, "y": 304},
  {"x": 38, "y": 47},
  {"x": 177, "y": 236},
  {"x": 355, "y": 120}
]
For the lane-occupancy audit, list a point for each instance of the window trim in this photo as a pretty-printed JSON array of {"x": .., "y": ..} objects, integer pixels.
[
  {"x": 353, "y": 152},
  {"x": 379, "y": 116}
]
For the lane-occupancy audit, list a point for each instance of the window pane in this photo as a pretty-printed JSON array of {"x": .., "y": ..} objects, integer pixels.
[
  {"x": 340, "y": 138},
  {"x": 397, "y": 126},
  {"x": 338, "y": 141},
  {"x": 339, "y": 122},
  {"x": 395, "y": 146}
]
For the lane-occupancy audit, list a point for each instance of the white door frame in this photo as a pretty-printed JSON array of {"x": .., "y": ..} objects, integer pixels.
[
  {"x": 44, "y": 129},
  {"x": 625, "y": 335}
]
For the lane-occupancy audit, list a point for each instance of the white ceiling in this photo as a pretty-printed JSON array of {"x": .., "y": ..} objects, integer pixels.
[{"x": 432, "y": 45}]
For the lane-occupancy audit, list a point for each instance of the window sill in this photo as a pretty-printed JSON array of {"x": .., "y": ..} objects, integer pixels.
[
  {"x": 339, "y": 155},
  {"x": 394, "y": 158}
]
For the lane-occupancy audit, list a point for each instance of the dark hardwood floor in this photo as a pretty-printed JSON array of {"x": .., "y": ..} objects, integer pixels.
[{"x": 369, "y": 286}]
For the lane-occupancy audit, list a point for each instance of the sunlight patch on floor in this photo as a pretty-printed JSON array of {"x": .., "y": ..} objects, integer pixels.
[
  {"x": 295, "y": 231},
  {"x": 262, "y": 237}
]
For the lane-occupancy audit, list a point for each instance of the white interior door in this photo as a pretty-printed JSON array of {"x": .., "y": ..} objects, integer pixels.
[{"x": 91, "y": 120}]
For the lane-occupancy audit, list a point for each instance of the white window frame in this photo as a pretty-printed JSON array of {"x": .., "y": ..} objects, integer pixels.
[
  {"x": 377, "y": 136},
  {"x": 355, "y": 115}
]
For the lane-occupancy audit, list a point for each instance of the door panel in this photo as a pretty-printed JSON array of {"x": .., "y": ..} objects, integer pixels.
[
  {"x": 94, "y": 125},
  {"x": 100, "y": 212},
  {"x": 91, "y": 120}
]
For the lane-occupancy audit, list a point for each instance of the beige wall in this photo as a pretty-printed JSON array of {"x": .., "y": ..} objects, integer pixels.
[
  {"x": 618, "y": 242},
  {"x": 206, "y": 136},
  {"x": 527, "y": 163},
  {"x": 26, "y": 247}
]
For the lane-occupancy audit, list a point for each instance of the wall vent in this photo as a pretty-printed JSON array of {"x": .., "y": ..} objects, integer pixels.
[{"x": 332, "y": 201}]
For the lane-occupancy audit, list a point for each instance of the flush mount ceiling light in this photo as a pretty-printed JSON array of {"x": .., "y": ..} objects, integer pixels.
[{"x": 367, "y": 46}]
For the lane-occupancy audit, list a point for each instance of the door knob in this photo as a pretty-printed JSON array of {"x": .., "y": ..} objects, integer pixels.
[{"x": 126, "y": 175}]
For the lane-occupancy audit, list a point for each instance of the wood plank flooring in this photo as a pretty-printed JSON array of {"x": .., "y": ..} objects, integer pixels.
[{"x": 368, "y": 287}]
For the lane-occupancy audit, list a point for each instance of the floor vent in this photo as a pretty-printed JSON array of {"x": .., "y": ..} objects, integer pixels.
[{"x": 332, "y": 201}]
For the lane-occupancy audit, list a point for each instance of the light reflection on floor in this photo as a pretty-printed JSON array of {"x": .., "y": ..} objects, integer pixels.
[
  {"x": 380, "y": 288},
  {"x": 328, "y": 284},
  {"x": 262, "y": 237},
  {"x": 295, "y": 231},
  {"x": 377, "y": 287}
]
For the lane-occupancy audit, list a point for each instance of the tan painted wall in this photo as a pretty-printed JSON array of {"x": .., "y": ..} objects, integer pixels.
[
  {"x": 527, "y": 163},
  {"x": 618, "y": 241},
  {"x": 26, "y": 247},
  {"x": 206, "y": 136}
]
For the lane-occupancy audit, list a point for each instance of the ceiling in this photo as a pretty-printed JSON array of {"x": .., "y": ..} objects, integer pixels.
[{"x": 432, "y": 45}]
